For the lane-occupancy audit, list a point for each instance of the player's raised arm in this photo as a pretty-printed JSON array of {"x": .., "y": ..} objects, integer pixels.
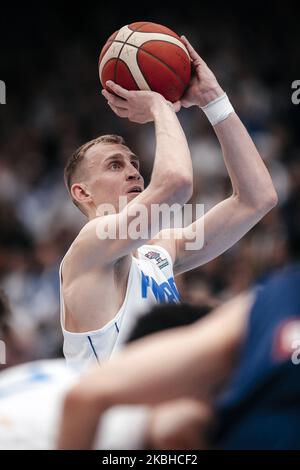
[
  {"x": 253, "y": 193},
  {"x": 171, "y": 181}
]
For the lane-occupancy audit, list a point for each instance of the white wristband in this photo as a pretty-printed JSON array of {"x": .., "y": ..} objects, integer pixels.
[{"x": 218, "y": 109}]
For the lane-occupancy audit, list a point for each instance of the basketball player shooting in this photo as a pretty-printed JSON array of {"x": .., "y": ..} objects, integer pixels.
[{"x": 106, "y": 282}]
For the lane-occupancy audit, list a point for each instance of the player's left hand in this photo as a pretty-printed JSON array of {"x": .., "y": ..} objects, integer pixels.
[
  {"x": 203, "y": 86},
  {"x": 137, "y": 106}
]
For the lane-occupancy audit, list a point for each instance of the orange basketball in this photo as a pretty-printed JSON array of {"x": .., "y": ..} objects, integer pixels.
[{"x": 146, "y": 56}]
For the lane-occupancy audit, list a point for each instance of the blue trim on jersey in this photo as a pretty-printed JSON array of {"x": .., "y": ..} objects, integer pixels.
[
  {"x": 94, "y": 351},
  {"x": 19, "y": 385},
  {"x": 117, "y": 327}
]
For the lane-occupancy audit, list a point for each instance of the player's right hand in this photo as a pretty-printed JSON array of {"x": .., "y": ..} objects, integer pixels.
[
  {"x": 137, "y": 106},
  {"x": 203, "y": 87}
]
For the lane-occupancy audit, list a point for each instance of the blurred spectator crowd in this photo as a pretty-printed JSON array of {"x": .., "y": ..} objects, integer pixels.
[{"x": 54, "y": 105}]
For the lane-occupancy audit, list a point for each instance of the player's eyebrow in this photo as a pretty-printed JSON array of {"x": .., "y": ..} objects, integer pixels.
[{"x": 132, "y": 156}]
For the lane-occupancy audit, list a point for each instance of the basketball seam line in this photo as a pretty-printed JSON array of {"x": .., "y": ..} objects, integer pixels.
[
  {"x": 155, "y": 57},
  {"x": 118, "y": 58},
  {"x": 148, "y": 32},
  {"x": 123, "y": 62}
]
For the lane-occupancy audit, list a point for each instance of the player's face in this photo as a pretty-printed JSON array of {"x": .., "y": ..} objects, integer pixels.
[{"x": 113, "y": 171}]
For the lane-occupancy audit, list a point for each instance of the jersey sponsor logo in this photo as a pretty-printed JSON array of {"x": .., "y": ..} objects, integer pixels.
[
  {"x": 152, "y": 255},
  {"x": 161, "y": 262},
  {"x": 164, "y": 292}
]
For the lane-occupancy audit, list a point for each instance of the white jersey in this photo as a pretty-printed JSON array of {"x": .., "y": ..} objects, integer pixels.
[
  {"x": 31, "y": 401},
  {"x": 150, "y": 281}
]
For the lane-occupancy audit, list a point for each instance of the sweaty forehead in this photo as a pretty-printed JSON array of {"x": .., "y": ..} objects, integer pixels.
[{"x": 99, "y": 152}]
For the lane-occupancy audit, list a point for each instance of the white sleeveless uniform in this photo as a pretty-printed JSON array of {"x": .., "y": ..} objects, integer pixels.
[
  {"x": 31, "y": 401},
  {"x": 150, "y": 281}
]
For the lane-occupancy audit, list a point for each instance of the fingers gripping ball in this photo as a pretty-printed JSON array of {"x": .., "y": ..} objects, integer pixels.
[{"x": 146, "y": 56}]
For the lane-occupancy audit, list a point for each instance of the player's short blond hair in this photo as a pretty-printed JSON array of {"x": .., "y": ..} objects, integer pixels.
[{"x": 73, "y": 164}]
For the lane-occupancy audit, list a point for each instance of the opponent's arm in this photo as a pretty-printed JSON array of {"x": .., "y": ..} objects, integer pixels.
[{"x": 192, "y": 361}]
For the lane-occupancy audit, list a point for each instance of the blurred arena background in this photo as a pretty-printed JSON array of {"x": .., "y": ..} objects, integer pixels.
[{"x": 48, "y": 61}]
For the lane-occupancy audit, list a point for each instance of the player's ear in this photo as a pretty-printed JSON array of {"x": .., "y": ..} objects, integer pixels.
[{"x": 80, "y": 193}]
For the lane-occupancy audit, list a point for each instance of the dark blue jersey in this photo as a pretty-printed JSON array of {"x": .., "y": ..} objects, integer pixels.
[{"x": 260, "y": 408}]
